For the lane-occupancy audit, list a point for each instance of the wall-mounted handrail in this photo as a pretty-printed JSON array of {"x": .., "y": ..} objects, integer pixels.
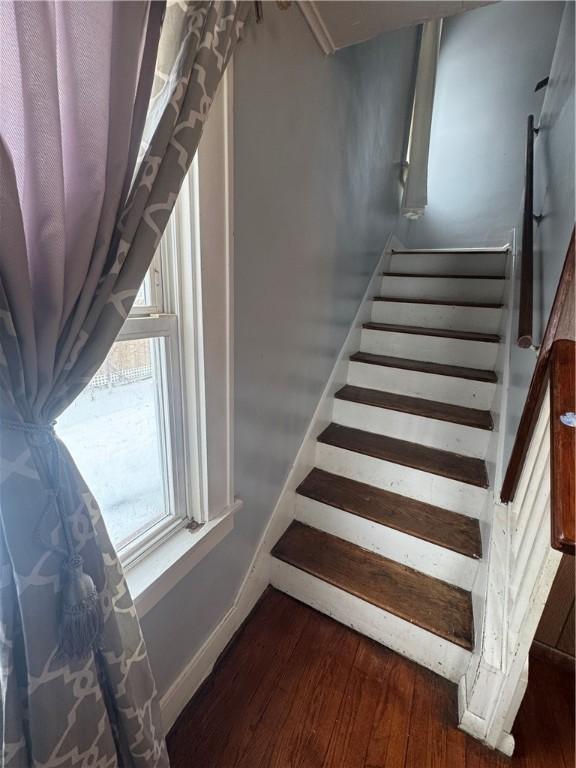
[
  {"x": 525, "y": 338},
  {"x": 559, "y": 326}
]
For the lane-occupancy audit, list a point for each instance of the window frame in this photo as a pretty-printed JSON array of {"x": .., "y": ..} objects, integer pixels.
[
  {"x": 159, "y": 320},
  {"x": 194, "y": 288}
]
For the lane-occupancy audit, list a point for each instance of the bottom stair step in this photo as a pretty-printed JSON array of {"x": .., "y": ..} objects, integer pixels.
[{"x": 434, "y": 605}]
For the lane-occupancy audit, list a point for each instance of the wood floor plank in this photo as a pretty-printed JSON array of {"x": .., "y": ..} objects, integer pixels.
[
  {"x": 464, "y": 469},
  {"x": 430, "y": 603},
  {"x": 439, "y": 369},
  {"x": 444, "y": 333},
  {"x": 432, "y": 721},
  {"x": 236, "y": 680},
  {"x": 447, "y": 529},
  {"x": 351, "y": 738},
  {"x": 313, "y": 711},
  {"x": 276, "y": 733},
  {"x": 431, "y": 409},
  {"x": 392, "y": 723},
  {"x": 411, "y": 703}
]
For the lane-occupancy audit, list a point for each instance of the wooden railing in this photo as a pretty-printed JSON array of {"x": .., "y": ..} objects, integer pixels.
[
  {"x": 563, "y": 444},
  {"x": 525, "y": 316},
  {"x": 554, "y": 366}
]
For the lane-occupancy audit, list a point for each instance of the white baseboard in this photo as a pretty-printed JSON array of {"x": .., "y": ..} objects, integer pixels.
[
  {"x": 202, "y": 663},
  {"x": 258, "y": 576}
]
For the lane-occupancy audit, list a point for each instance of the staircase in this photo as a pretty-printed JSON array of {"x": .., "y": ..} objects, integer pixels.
[{"x": 386, "y": 536}]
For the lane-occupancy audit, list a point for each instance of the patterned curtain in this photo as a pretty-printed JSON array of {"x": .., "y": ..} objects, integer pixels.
[{"x": 77, "y": 233}]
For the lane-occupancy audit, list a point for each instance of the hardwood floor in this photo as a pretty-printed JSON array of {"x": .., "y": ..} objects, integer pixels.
[{"x": 295, "y": 688}]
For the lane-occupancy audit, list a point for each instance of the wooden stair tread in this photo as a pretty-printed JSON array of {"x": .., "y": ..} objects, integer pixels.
[
  {"x": 450, "y": 530},
  {"x": 452, "y": 251},
  {"x": 441, "y": 302},
  {"x": 434, "y": 605},
  {"x": 464, "y": 469},
  {"x": 444, "y": 333},
  {"x": 444, "y": 277},
  {"x": 457, "y": 414},
  {"x": 440, "y": 369}
]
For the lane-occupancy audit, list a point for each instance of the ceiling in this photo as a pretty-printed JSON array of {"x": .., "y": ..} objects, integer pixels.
[{"x": 346, "y": 22}]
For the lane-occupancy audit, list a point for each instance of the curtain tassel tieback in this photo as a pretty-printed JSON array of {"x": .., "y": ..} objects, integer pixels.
[
  {"x": 81, "y": 619},
  {"x": 81, "y": 622}
]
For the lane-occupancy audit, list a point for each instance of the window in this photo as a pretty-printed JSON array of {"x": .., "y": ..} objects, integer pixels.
[
  {"x": 153, "y": 432},
  {"x": 126, "y": 429}
]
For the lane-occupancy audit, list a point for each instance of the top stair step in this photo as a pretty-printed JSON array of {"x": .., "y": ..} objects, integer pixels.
[
  {"x": 468, "y": 251},
  {"x": 443, "y": 276},
  {"x": 470, "y": 263}
]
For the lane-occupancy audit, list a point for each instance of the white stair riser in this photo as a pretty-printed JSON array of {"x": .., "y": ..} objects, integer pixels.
[
  {"x": 468, "y": 441},
  {"x": 430, "y": 349},
  {"x": 450, "y": 318},
  {"x": 449, "y": 263},
  {"x": 424, "y": 486},
  {"x": 413, "y": 642},
  {"x": 456, "y": 289},
  {"x": 445, "y": 389},
  {"x": 416, "y": 553}
]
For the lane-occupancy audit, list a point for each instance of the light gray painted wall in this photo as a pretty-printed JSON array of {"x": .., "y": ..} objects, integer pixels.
[
  {"x": 490, "y": 61},
  {"x": 554, "y": 197},
  {"x": 317, "y": 145}
]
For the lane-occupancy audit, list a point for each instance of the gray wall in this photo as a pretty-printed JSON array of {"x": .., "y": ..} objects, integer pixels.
[
  {"x": 317, "y": 145},
  {"x": 490, "y": 61},
  {"x": 554, "y": 197}
]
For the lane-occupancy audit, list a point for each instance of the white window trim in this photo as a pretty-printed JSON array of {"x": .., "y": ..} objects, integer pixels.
[{"x": 203, "y": 303}]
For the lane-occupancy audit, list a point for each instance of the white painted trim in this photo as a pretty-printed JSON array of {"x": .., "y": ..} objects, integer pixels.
[
  {"x": 519, "y": 574},
  {"x": 500, "y": 409},
  {"x": 413, "y": 642},
  {"x": 153, "y": 576},
  {"x": 310, "y": 11},
  {"x": 258, "y": 574}
]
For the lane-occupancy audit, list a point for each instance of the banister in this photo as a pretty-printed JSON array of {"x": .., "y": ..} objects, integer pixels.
[
  {"x": 525, "y": 315},
  {"x": 560, "y": 325},
  {"x": 563, "y": 444}
]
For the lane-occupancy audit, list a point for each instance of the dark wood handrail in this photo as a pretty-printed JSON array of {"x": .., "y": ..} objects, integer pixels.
[
  {"x": 558, "y": 326},
  {"x": 563, "y": 445},
  {"x": 525, "y": 338}
]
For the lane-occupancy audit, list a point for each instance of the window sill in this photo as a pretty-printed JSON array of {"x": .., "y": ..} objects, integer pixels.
[{"x": 151, "y": 578}]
